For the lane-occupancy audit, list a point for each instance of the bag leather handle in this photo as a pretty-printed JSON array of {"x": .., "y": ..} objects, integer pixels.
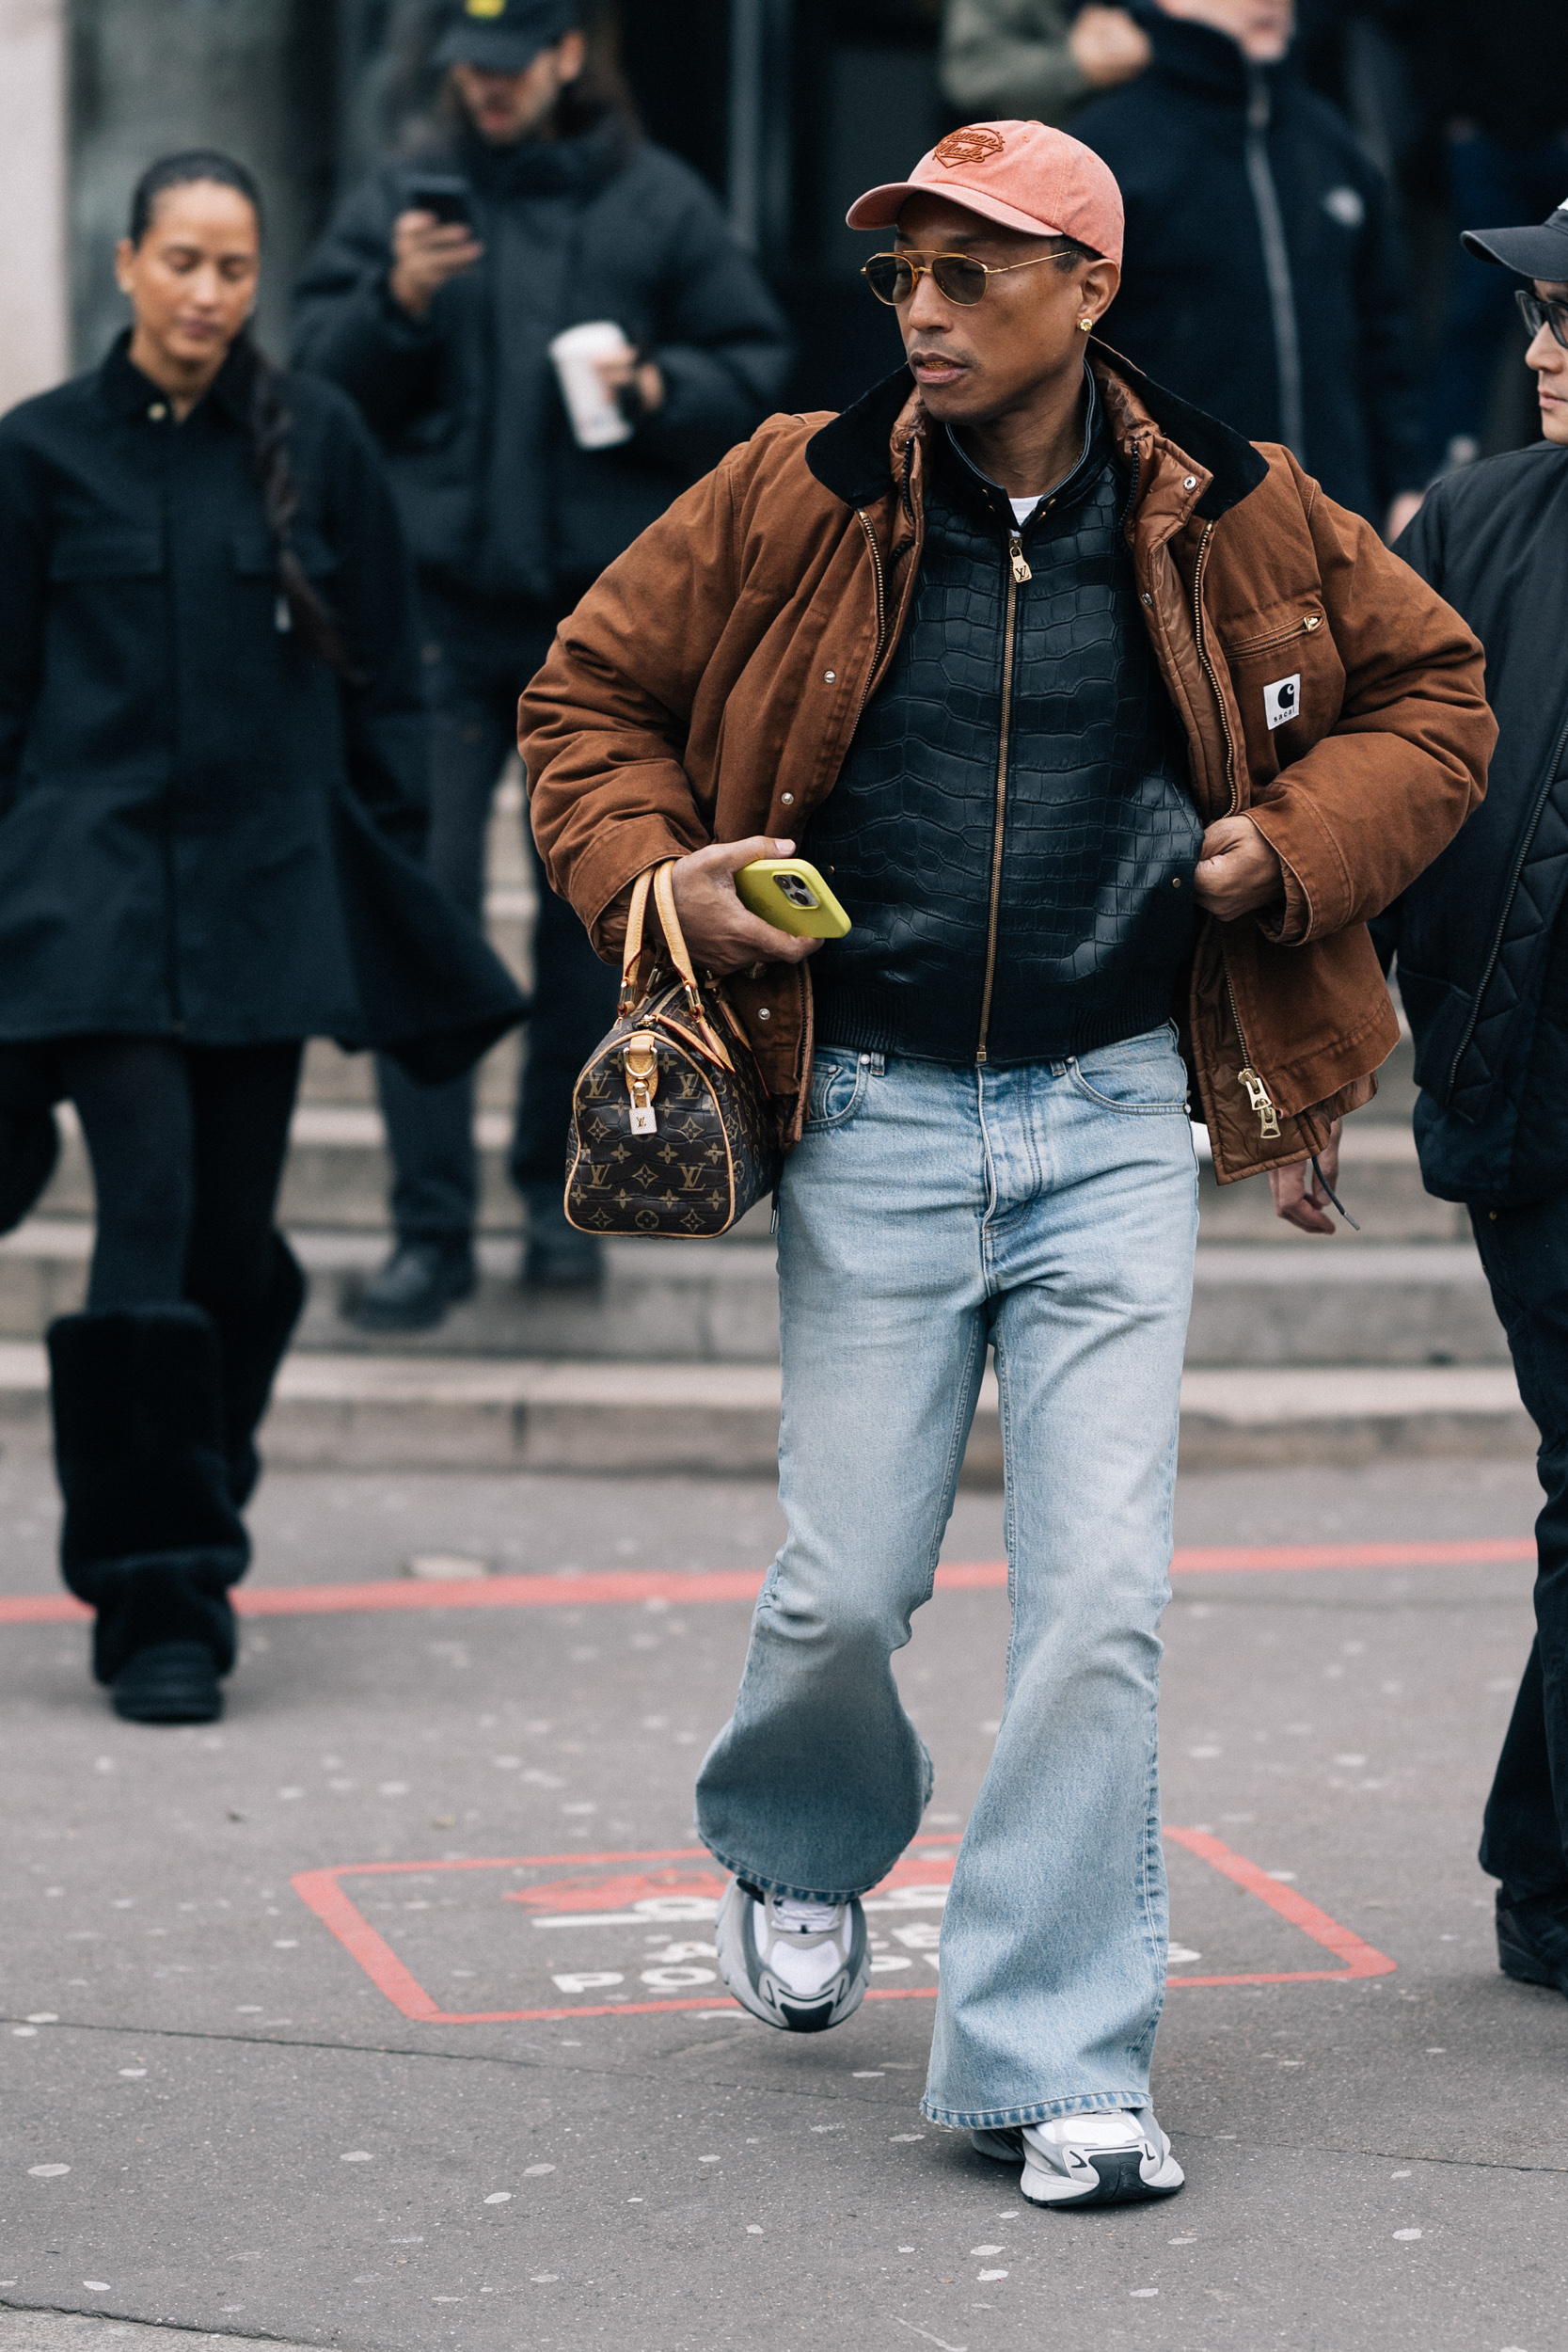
[{"x": 631, "y": 955}]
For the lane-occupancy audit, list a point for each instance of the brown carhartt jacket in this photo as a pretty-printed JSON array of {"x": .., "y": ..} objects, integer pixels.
[{"x": 709, "y": 685}]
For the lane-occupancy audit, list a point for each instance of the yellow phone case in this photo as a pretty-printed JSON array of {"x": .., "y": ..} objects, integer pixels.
[{"x": 789, "y": 893}]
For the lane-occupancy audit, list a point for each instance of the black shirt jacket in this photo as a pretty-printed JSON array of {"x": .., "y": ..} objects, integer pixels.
[{"x": 205, "y": 833}]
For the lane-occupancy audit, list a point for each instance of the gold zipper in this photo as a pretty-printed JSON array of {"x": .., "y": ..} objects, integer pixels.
[
  {"x": 1257, "y": 1096},
  {"x": 1018, "y": 572},
  {"x": 1279, "y": 637},
  {"x": 882, "y": 606}
]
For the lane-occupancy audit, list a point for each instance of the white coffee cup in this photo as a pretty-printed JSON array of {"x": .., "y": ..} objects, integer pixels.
[{"x": 596, "y": 418}]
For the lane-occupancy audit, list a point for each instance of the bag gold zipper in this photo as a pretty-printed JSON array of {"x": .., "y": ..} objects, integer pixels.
[
  {"x": 880, "y": 583},
  {"x": 1018, "y": 572}
]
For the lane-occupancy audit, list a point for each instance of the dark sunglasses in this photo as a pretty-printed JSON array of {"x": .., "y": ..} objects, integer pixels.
[
  {"x": 894, "y": 276},
  {"x": 1537, "y": 314}
]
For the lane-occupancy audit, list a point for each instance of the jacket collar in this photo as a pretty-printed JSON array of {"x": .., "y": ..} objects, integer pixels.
[
  {"x": 853, "y": 456},
  {"x": 127, "y": 392}
]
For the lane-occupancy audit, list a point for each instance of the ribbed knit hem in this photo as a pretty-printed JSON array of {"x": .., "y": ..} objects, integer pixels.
[{"x": 865, "y": 1019}]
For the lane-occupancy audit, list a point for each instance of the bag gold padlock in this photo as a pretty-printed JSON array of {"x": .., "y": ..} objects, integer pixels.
[{"x": 673, "y": 1131}]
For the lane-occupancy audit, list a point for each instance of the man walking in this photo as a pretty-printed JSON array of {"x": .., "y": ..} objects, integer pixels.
[
  {"x": 1266, "y": 275},
  {"x": 1482, "y": 945},
  {"x": 440, "y": 328},
  {"x": 1033, "y": 657}
]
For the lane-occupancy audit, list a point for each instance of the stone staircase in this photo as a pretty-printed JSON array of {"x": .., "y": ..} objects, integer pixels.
[{"x": 1299, "y": 1350}]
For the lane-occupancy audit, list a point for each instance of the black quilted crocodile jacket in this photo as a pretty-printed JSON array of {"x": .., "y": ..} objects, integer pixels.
[
  {"x": 1012, "y": 835},
  {"x": 1483, "y": 936}
]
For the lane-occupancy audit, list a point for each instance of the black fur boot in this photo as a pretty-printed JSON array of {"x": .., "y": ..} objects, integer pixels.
[
  {"x": 252, "y": 1341},
  {"x": 152, "y": 1539}
]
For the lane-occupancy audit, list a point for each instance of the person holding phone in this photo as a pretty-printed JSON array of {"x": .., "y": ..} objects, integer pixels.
[
  {"x": 1005, "y": 648},
  {"x": 212, "y": 754},
  {"x": 433, "y": 299}
]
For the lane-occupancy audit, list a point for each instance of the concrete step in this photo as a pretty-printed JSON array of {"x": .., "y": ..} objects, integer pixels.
[
  {"x": 704, "y": 1302},
  {"x": 405, "y": 1412}
]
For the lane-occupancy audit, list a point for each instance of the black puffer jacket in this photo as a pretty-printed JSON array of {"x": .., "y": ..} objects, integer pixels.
[
  {"x": 496, "y": 496},
  {"x": 1012, "y": 836},
  {"x": 1264, "y": 274},
  {"x": 203, "y": 832},
  {"x": 1483, "y": 937}
]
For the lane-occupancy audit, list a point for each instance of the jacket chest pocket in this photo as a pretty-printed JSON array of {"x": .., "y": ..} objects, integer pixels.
[
  {"x": 1290, "y": 687},
  {"x": 254, "y": 551},
  {"x": 101, "y": 552}
]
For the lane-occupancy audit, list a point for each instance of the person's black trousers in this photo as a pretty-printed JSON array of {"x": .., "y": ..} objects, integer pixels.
[
  {"x": 1525, "y": 1843},
  {"x": 480, "y": 653},
  {"x": 159, "y": 1386}
]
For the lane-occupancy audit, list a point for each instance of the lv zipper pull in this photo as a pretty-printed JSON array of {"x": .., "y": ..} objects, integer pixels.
[
  {"x": 639, "y": 1061},
  {"x": 1021, "y": 568},
  {"x": 1257, "y": 1100}
]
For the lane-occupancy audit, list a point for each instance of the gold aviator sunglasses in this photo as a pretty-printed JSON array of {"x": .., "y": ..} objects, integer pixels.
[{"x": 894, "y": 276}]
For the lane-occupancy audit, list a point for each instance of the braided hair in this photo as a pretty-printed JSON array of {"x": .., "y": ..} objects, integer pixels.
[{"x": 299, "y": 607}]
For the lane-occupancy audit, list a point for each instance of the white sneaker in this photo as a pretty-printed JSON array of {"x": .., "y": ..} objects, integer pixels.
[
  {"x": 1115, "y": 2159},
  {"x": 799, "y": 1967}
]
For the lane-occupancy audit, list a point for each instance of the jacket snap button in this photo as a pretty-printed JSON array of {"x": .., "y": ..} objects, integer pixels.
[
  {"x": 762, "y": 1013},
  {"x": 829, "y": 677},
  {"x": 1148, "y": 597},
  {"x": 788, "y": 799},
  {"x": 157, "y": 412},
  {"x": 1176, "y": 881},
  {"x": 1190, "y": 483}
]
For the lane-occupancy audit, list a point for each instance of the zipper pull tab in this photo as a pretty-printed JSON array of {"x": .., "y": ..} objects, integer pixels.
[
  {"x": 1020, "y": 570},
  {"x": 1257, "y": 1100},
  {"x": 639, "y": 1060}
]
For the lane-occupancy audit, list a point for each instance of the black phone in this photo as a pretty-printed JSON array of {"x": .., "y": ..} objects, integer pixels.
[{"x": 446, "y": 195}]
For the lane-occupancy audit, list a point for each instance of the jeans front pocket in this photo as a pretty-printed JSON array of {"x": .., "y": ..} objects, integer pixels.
[
  {"x": 1143, "y": 1076},
  {"x": 837, "y": 1088}
]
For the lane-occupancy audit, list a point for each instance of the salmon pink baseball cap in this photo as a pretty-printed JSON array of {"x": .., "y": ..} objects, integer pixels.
[{"x": 1023, "y": 175}]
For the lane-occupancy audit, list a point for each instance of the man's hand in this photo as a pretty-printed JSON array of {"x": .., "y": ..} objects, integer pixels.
[
  {"x": 425, "y": 253},
  {"x": 720, "y": 932},
  {"x": 1298, "y": 1197},
  {"x": 616, "y": 374},
  {"x": 1238, "y": 871},
  {"x": 1107, "y": 46}
]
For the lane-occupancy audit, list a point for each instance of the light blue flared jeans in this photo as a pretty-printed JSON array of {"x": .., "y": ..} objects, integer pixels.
[{"x": 1051, "y": 1210}]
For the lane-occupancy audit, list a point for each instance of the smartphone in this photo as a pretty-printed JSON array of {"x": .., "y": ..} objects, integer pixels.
[
  {"x": 446, "y": 195},
  {"x": 789, "y": 893}
]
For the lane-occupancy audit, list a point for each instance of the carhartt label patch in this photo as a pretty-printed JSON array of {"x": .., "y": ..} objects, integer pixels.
[{"x": 1282, "y": 701}]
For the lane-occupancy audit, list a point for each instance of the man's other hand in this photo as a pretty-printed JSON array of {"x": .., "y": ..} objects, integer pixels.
[
  {"x": 1298, "y": 1196},
  {"x": 1107, "y": 46},
  {"x": 1238, "y": 871},
  {"x": 722, "y": 935},
  {"x": 425, "y": 253}
]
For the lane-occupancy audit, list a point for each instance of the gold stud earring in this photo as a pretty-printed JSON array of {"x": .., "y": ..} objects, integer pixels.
[{"x": 1085, "y": 327}]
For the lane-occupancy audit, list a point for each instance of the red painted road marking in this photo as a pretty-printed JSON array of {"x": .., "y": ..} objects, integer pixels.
[
  {"x": 323, "y": 1892},
  {"x": 1361, "y": 1960},
  {"x": 631, "y": 1587}
]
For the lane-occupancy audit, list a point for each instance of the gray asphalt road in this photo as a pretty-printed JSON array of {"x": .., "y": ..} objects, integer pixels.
[{"x": 297, "y": 2044}]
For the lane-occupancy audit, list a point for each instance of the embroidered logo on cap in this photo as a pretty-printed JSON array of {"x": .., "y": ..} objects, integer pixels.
[
  {"x": 975, "y": 146},
  {"x": 1282, "y": 701}
]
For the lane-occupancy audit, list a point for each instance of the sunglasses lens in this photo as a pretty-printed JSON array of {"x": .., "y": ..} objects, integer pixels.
[
  {"x": 1537, "y": 314},
  {"x": 959, "y": 280},
  {"x": 890, "y": 277}
]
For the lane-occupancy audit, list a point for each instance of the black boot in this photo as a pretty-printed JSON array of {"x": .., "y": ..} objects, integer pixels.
[
  {"x": 423, "y": 1276},
  {"x": 557, "y": 1257},
  {"x": 252, "y": 1341},
  {"x": 152, "y": 1540}
]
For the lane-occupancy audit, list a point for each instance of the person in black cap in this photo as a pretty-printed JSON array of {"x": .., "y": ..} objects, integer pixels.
[
  {"x": 434, "y": 298},
  {"x": 1482, "y": 946}
]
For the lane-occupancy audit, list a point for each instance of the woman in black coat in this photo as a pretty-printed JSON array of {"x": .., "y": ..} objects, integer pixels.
[{"x": 211, "y": 802}]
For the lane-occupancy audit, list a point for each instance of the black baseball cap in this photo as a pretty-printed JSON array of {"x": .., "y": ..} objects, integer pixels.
[
  {"x": 1533, "y": 252},
  {"x": 503, "y": 36}
]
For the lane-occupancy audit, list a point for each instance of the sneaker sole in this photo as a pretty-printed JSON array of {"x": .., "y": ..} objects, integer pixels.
[{"x": 1118, "y": 2180}]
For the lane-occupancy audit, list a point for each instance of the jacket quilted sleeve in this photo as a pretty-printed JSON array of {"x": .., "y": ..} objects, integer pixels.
[
  {"x": 1359, "y": 816},
  {"x": 602, "y": 727}
]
